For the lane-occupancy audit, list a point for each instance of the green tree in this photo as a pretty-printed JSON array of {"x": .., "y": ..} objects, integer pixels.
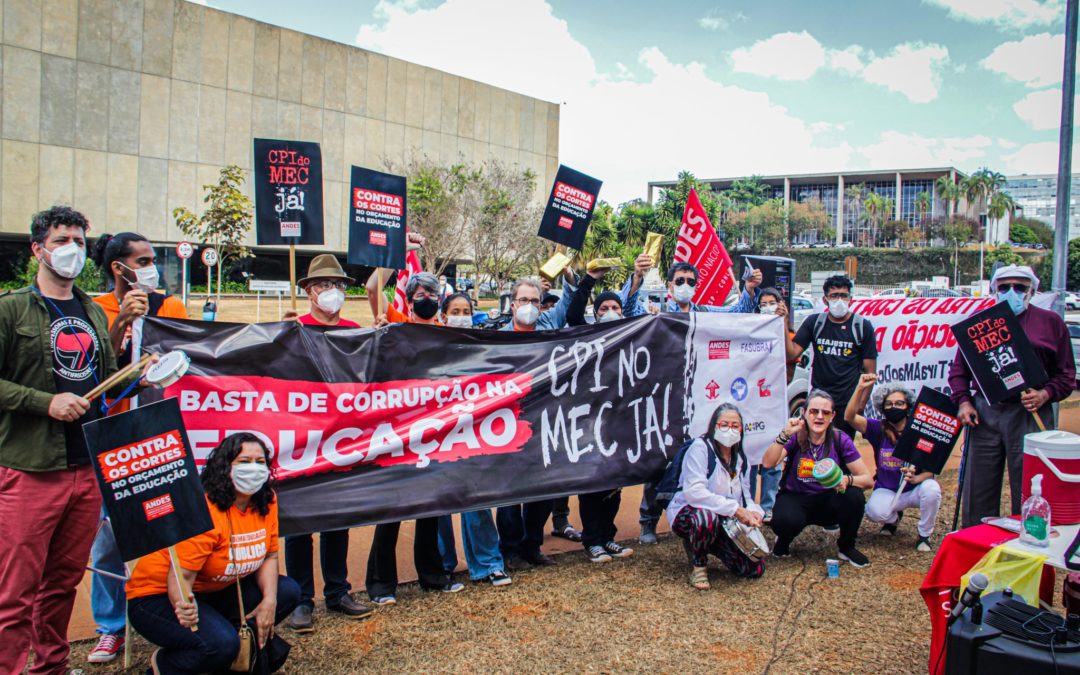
[
  {"x": 1000, "y": 204},
  {"x": 806, "y": 217},
  {"x": 746, "y": 193},
  {"x": 766, "y": 222},
  {"x": 948, "y": 192},
  {"x": 634, "y": 220},
  {"x": 958, "y": 232},
  {"x": 1044, "y": 234},
  {"x": 89, "y": 280},
  {"x": 225, "y": 222},
  {"x": 1003, "y": 253},
  {"x": 1072, "y": 266},
  {"x": 672, "y": 203},
  {"x": 1022, "y": 234}
]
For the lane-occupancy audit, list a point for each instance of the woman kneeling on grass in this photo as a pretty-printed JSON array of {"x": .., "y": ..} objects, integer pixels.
[
  {"x": 803, "y": 500},
  {"x": 896, "y": 403},
  {"x": 703, "y": 500},
  {"x": 241, "y": 550}
]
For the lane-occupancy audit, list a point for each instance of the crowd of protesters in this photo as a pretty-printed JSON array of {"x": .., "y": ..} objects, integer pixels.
[{"x": 56, "y": 343}]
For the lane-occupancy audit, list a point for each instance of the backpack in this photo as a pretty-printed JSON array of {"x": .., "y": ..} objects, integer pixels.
[
  {"x": 856, "y": 327},
  {"x": 668, "y": 486}
]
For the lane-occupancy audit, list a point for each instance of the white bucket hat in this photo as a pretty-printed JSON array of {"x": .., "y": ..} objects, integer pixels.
[{"x": 1015, "y": 272}]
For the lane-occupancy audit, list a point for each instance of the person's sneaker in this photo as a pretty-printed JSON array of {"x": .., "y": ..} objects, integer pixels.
[
  {"x": 597, "y": 554},
  {"x": 855, "y": 557},
  {"x": 452, "y": 587},
  {"x": 300, "y": 621},
  {"x": 648, "y": 533},
  {"x": 350, "y": 608},
  {"x": 617, "y": 551},
  {"x": 106, "y": 649},
  {"x": 517, "y": 563},
  {"x": 889, "y": 529},
  {"x": 498, "y": 578},
  {"x": 924, "y": 545},
  {"x": 384, "y": 600},
  {"x": 566, "y": 532},
  {"x": 767, "y": 518},
  {"x": 782, "y": 549},
  {"x": 540, "y": 560}
]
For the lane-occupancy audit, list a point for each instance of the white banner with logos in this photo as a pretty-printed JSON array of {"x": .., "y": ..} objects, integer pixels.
[{"x": 738, "y": 359}]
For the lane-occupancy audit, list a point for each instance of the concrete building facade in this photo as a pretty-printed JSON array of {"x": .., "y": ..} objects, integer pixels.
[
  {"x": 1037, "y": 196},
  {"x": 125, "y": 108}
]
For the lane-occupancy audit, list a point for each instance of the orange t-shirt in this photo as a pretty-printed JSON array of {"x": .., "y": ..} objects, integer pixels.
[
  {"x": 253, "y": 538},
  {"x": 394, "y": 316},
  {"x": 171, "y": 308}
]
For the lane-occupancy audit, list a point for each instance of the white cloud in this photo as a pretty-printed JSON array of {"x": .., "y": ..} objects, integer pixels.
[
  {"x": 784, "y": 56},
  {"x": 911, "y": 151},
  {"x": 715, "y": 20},
  {"x": 1033, "y": 158},
  {"x": 1037, "y": 60},
  {"x": 847, "y": 60},
  {"x": 1007, "y": 144},
  {"x": 1040, "y": 110},
  {"x": 912, "y": 69},
  {"x": 1005, "y": 14}
]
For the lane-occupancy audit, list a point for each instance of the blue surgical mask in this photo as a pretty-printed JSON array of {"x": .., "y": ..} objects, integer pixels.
[{"x": 1015, "y": 300}]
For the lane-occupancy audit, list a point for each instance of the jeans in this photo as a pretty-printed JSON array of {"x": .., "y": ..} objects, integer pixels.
[
  {"x": 480, "y": 539},
  {"x": 598, "y": 511},
  {"x": 794, "y": 511},
  {"x": 214, "y": 645},
  {"x": 649, "y": 512},
  {"x": 107, "y": 599},
  {"x": 448, "y": 543},
  {"x": 333, "y": 551},
  {"x": 521, "y": 528},
  {"x": 770, "y": 482}
]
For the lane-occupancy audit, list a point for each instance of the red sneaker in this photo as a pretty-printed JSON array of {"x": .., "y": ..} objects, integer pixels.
[{"x": 107, "y": 648}]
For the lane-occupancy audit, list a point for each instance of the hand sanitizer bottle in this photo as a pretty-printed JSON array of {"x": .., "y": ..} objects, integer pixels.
[{"x": 1035, "y": 516}]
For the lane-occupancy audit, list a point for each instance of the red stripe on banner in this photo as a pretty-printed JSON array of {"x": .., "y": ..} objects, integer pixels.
[
  {"x": 700, "y": 245},
  {"x": 412, "y": 266}
]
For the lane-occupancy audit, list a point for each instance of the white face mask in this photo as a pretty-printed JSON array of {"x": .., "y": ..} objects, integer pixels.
[
  {"x": 66, "y": 260},
  {"x": 146, "y": 278},
  {"x": 609, "y": 316},
  {"x": 249, "y": 478},
  {"x": 459, "y": 321},
  {"x": 838, "y": 308},
  {"x": 332, "y": 300},
  {"x": 727, "y": 437},
  {"x": 683, "y": 294},
  {"x": 527, "y": 315},
  {"x": 767, "y": 309}
]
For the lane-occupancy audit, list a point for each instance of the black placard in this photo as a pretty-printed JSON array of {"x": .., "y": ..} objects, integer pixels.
[
  {"x": 377, "y": 216},
  {"x": 288, "y": 192},
  {"x": 776, "y": 272},
  {"x": 998, "y": 353},
  {"x": 569, "y": 208},
  {"x": 931, "y": 432},
  {"x": 148, "y": 479}
]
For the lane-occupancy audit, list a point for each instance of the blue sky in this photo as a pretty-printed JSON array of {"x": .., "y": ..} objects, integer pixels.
[{"x": 737, "y": 87}]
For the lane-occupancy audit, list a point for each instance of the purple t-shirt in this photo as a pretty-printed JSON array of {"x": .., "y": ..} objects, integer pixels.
[
  {"x": 888, "y": 467},
  {"x": 800, "y": 471}
]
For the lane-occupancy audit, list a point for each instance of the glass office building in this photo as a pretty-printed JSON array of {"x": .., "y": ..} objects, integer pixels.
[{"x": 1037, "y": 196}]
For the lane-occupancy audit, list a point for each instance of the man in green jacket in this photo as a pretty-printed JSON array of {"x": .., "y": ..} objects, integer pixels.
[{"x": 54, "y": 349}]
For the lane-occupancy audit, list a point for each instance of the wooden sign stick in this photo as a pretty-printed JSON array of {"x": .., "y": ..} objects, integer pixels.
[
  {"x": 185, "y": 592},
  {"x": 292, "y": 274}
]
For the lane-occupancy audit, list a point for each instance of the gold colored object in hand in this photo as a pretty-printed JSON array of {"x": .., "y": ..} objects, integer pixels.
[
  {"x": 654, "y": 245},
  {"x": 603, "y": 264},
  {"x": 555, "y": 266}
]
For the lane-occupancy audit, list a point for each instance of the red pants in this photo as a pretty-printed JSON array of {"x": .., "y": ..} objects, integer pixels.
[{"x": 49, "y": 521}]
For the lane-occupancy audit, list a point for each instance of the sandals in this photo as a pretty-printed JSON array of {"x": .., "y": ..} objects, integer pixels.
[
  {"x": 567, "y": 532},
  {"x": 699, "y": 578}
]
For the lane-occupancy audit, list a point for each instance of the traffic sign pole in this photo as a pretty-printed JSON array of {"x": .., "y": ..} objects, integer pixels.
[{"x": 184, "y": 250}]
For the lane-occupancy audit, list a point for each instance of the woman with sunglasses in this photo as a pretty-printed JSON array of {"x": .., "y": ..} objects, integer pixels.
[
  {"x": 803, "y": 500},
  {"x": 705, "y": 498},
  {"x": 895, "y": 402}
]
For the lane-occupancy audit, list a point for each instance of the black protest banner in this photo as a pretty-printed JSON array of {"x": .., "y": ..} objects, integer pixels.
[
  {"x": 569, "y": 208},
  {"x": 931, "y": 432},
  {"x": 377, "y": 213},
  {"x": 998, "y": 353},
  {"x": 413, "y": 421},
  {"x": 288, "y": 192},
  {"x": 148, "y": 480}
]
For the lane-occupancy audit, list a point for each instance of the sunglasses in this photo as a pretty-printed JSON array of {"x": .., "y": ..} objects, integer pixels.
[
  {"x": 686, "y": 280},
  {"x": 816, "y": 412},
  {"x": 1019, "y": 288}
]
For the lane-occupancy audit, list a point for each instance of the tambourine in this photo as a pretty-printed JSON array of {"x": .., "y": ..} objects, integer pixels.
[
  {"x": 828, "y": 473},
  {"x": 169, "y": 369}
]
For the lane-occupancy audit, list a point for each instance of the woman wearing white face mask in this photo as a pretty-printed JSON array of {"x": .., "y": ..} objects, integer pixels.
[
  {"x": 705, "y": 498},
  {"x": 457, "y": 311},
  {"x": 239, "y": 555}
]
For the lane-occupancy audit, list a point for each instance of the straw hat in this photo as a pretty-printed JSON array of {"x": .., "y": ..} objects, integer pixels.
[{"x": 325, "y": 266}]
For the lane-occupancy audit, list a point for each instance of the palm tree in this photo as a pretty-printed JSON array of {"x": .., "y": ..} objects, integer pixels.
[
  {"x": 1000, "y": 204},
  {"x": 948, "y": 192},
  {"x": 874, "y": 207},
  {"x": 854, "y": 195}
]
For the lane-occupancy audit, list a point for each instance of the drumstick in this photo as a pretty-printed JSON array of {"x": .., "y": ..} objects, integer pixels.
[
  {"x": 899, "y": 490},
  {"x": 1035, "y": 414},
  {"x": 111, "y": 381}
]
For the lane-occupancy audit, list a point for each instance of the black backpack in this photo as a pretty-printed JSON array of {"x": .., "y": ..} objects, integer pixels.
[
  {"x": 857, "y": 326},
  {"x": 668, "y": 486}
]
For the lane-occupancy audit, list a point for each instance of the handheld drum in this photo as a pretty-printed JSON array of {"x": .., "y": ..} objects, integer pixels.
[
  {"x": 828, "y": 473},
  {"x": 169, "y": 369}
]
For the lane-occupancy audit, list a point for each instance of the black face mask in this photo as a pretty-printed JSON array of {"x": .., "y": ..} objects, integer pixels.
[
  {"x": 425, "y": 308},
  {"x": 894, "y": 415}
]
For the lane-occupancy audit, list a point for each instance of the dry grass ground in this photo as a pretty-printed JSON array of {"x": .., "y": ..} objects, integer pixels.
[{"x": 639, "y": 615}]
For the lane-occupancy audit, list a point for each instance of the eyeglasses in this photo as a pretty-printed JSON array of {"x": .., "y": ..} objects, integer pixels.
[
  {"x": 1019, "y": 288},
  {"x": 887, "y": 405},
  {"x": 527, "y": 301},
  {"x": 326, "y": 285},
  {"x": 838, "y": 296},
  {"x": 686, "y": 280},
  {"x": 729, "y": 425},
  {"x": 817, "y": 412}
]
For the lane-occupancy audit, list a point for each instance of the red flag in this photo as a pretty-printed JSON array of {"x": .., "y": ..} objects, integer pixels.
[
  {"x": 699, "y": 245},
  {"x": 412, "y": 266}
]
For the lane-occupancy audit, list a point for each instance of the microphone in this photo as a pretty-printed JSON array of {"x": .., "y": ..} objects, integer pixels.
[{"x": 976, "y": 585}]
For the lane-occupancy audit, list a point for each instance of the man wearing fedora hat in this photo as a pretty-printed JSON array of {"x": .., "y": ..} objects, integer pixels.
[{"x": 325, "y": 286}]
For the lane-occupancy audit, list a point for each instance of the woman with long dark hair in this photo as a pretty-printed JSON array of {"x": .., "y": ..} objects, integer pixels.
[
  {"x": 895, "y": 403},
  {"x": 705, "y": 498},
  {"x": 241, "y": 550},
  {"x": 803, "y": 500}
]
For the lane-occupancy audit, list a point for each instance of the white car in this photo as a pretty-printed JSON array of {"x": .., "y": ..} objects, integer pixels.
[
  {"x": 1072, "y": 301},
  {"x": 845, "y": 244},
  {"x": 891, "y": 293},
  {"x": 800, "y": 309}
]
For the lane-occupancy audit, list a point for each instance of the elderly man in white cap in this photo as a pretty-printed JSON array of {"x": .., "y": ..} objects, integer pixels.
[{"x": 997, "y": 431}]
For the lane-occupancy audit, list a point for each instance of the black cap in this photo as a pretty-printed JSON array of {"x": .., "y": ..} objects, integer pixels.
[{"x": 604, "y": 297}]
